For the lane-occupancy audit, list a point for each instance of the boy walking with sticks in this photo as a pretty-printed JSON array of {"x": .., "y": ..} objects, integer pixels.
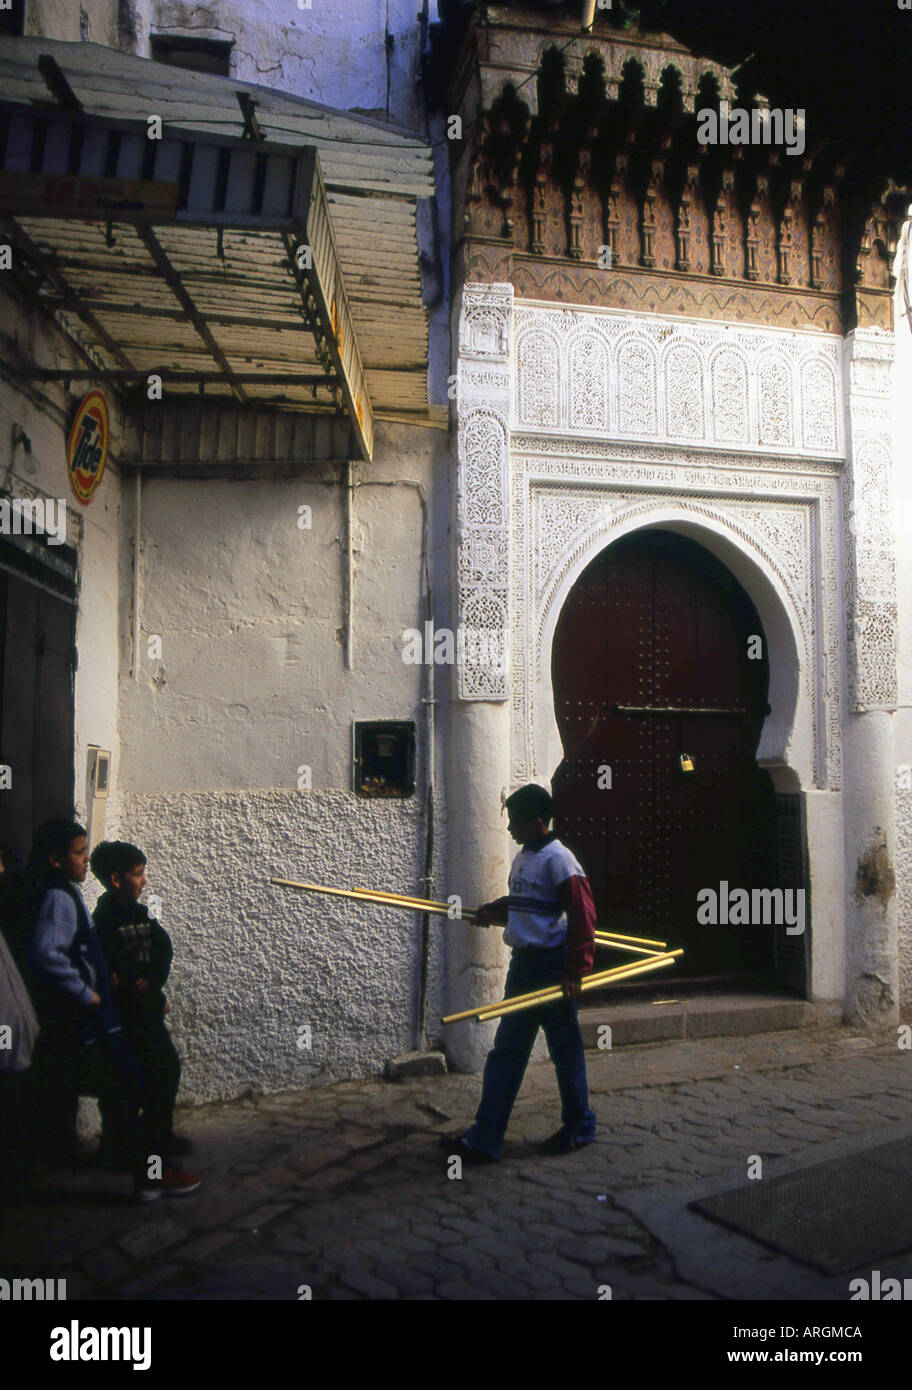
[{"x": 550, "y": 924}]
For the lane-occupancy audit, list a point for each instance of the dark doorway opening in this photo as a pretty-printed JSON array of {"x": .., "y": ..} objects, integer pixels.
[
  {"x": 37, "y": 667},
  {"x": 661, "y": 678},
  {"x": 12, "y": 19}
]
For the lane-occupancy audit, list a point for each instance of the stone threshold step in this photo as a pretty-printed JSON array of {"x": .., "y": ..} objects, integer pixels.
[{"x": 700, "y": 1016}]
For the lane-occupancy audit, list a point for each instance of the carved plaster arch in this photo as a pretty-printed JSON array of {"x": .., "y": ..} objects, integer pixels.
[{"x": 787, "y": 744}]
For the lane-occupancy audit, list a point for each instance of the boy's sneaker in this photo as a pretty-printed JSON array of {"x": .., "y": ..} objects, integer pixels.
[
  {"x": 177, "y": 1183},
  {"x": 457, "y": 1147},
  {"x": 563, "y": 1143},
  {"x": 174, "y": 1182}
]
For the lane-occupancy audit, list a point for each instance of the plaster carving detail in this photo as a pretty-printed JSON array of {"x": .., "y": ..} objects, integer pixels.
[
  {"x": 730, "y": 397},
  {"x": 775, "y": 401},
  {"x": 569, "y": 501},
  {"x": 482, "y": 491},
  {"x": 532, "y": 501},
  {"x": 684, "y": 393},
  {"x": 870, "y": 579},
  {"x": 484, "y": 326},
  {"x": 539, "y": 386},
  {"x": 593, "y": 372},
  {"x": 821, "y": 407},
  {"x": 588, "y": 407},
  {"x": 904, "y": 889},
  {"x": 637, "y": 388}
]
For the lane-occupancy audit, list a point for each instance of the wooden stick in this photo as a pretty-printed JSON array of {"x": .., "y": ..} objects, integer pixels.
[
  {"x": 511, "y": 1006},
  {"x": 603, "y": 939},
  {"x": 551, "y": 992},
  {"x": 634, "y": 940},
  {"x": 405, "y": 900},
  {"x": 399, "y": 898},
  {"x": 365, "y": 895},
  {"x": 603, "y": 977},
  {"x": 531, "y": 998}
]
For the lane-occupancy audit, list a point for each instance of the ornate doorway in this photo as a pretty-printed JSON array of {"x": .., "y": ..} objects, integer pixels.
[{"x": 661, "y": 676}]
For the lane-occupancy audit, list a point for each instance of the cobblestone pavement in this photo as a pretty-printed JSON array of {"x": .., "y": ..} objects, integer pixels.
[{"x": 344, "y": 1189}]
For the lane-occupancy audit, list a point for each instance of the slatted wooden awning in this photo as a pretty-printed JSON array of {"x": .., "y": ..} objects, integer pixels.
[{"x": 185, "y": 256}]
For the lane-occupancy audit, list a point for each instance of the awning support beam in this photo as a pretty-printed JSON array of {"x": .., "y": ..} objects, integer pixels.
[
  {"x": 156, "y": 311},
  {"x": 71, "y": 300},
  {"x": 248, "y": 111},
  {"x": 170, "y": 275},
  {"x": 57, "y": 83}
]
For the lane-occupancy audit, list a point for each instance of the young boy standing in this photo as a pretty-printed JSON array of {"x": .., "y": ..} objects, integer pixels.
[
  {"x": 138, "y": 952},
  {"x": 81, "y": 1049},
  {"x": 550, "y": 917}
]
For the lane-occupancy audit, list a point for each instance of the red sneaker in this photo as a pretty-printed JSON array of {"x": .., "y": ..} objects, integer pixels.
[{"x": 176, "y": 1183}]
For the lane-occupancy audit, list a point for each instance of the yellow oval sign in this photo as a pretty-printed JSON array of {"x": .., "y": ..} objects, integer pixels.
[{"x": 87, "y": 446}]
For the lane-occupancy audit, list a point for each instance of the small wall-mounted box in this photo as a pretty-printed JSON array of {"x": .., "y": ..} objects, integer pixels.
[
  {"x": 98, "y": 773},
  {"x": 384, "y": 758}
]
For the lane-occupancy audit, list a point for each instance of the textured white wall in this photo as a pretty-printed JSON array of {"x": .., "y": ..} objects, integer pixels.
[{"x": 252, "y": 963}]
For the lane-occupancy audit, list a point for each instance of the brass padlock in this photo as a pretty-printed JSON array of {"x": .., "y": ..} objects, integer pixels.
[{"x": 687, "y": 764}]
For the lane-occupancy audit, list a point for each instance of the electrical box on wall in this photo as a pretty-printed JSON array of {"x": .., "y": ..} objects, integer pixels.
[
  {"x": 98, "y": 774},
  {"x": 385, "y": 758}
]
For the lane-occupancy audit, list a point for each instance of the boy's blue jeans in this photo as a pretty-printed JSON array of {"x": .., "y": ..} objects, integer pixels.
[{"x": 506, "y": 1062}]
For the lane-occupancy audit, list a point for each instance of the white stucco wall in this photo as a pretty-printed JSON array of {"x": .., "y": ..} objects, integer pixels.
[
  {"x": 250, "y": 609},
  {"x": 327, "y": 51},
  {"x": 252, "y": 684}
]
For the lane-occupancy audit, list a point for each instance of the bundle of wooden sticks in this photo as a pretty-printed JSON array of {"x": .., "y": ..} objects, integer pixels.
[{"x": 653, "y": 954}]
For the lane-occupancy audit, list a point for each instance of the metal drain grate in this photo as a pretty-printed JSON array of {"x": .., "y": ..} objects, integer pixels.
[{"x": 833, "y": 1216}]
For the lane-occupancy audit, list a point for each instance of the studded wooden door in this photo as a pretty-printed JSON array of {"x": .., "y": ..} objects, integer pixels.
[{"x": 659, "y": 662}]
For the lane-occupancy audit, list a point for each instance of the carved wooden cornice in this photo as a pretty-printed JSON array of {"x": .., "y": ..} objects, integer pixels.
[{"x": 564, "y": 164}]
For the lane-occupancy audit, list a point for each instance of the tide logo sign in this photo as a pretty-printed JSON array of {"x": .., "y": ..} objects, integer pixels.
[{"x": 87, "y": 446}]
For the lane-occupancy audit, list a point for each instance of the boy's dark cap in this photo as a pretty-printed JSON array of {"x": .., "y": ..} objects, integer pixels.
[{"x": 531, "y": 802}]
